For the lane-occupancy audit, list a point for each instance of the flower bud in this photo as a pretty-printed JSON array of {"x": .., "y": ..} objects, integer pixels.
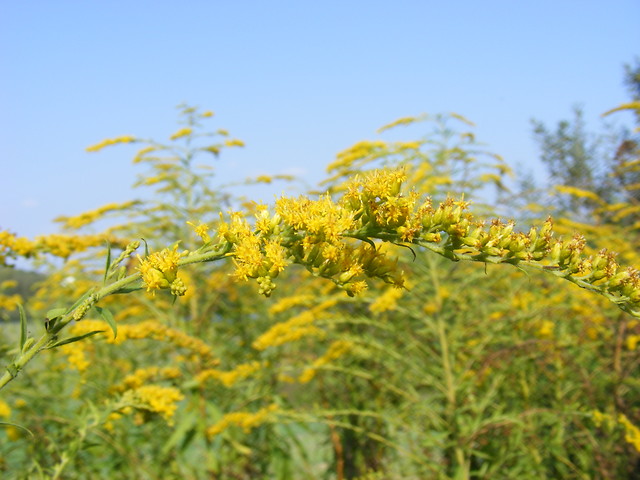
[
  {"x": 555, "y": 252},
  {"x": 432, "y": 237},
  {"x": 178, "y": 288},
  {"x": 618, "y": 279}
]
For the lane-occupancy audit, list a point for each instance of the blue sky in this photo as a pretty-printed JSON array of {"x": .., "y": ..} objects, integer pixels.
[{"x": 298, "y": 81}]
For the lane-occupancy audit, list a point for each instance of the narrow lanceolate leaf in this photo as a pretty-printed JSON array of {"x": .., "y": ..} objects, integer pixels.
[
  {"x": 55, "y": 313},
  {"x": 146, "y": 248},
  {"x": 18, "y": 426},
  {"x": 52, "y": 317},
  {"x": 74, "y": 339},
  {"x": 108, "y": 265},
  {"x": 107, "y": 316},
  {"x": 23, "y": 326},
  {"x": 128, "y": 289}
]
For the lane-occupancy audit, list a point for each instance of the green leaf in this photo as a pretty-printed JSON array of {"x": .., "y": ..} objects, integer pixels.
[
  {"x": 23, "y": 326},
  {"x": 108, "y": 265},
  {"x": 52, "y": 318},
  {"x": 146, "y": 248},
  {"x": 55, "y": 313},
  {"x": 9, "y": 424},
  {"x": 127, "y": 289},
  {"x": 182, "y": 433},
  {"x": 13, "y": 370},
  {"x": 107, "y": 316},
  {"x": 74, "y": 339}
]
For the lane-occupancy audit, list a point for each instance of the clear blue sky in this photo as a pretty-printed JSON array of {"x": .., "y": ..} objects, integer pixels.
[{"x": 298, "y": 81}]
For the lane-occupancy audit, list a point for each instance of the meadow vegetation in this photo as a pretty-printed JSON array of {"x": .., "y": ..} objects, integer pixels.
[{"x": 415, "y": 319}]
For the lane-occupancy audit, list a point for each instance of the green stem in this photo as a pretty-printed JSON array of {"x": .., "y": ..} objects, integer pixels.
[
  {"x": 450, "y": 386},
  {"x": 448, "y": 251},
  {"x": 77, "y": 313}
]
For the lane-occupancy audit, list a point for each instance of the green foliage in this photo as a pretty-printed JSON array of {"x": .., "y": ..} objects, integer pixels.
[{"x": 468, "y": 372}]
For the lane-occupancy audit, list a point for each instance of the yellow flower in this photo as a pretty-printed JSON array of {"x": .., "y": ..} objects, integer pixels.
[
  {"x": 289, "y": 302},
  {"x": 5, "y": 410},
  {"x": 8, "y": 284},
  {"x": 201, "y": 230},
  {"x": 234, "y": 143},
  {"x": 158, "y": 399},
  {"x": 142, "y": 153},
  {"x": 183, "y": 132},
  {"x": 152, "y": 330},
  {"x": 387, "y": 301},
  {"x": 299, "y": 326},
  {"x": 631, "y": 432},
  {"x": 264, "y": 179},
  {"x": 76, "y": 357},
  {"x": 276, "y": 256},
  {"x": 336, "y": 350},
  {"x": 10, "y": 302},
  {"x": 246, "y": 420},
  {"x": 546, "y": 329},
  {"x": 401, "y": 121},
  {"x": 111, "y": 141},
  {"x": 159, "y": 271},
  {"x": 142, "y": 375},
  {"x": 231, "y": 377}
]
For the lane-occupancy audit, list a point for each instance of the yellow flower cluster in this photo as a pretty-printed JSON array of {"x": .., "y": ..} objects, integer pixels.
[
  {"x": 152, "y": 330},
  {"x": 264, "y": 179},
  {"x": 76, "y": 355},
  {"x": 286, "y": 303},
  {"x": 59, "y": 245},
  {"x": 229, "y": 378},
  {"x": 143, "y": 375},
  {"x": 201, "y": 230},
  {"x": 323, "y": 219},
  {"x": 381, "y": 211},
  {"x": 404, "y": 121},
  {"x": 546, "y": 328},
  {"x": 142, "y": 153},
  {"x": 258, "y": 256},
  {"x": 234, "y": 143},
  {"x": 64, "y": 246},
  {"x": 293, "y": 329},
  {"x": 631, "y": 432},
  {"x": 10, "y": 302},
  {"x": 159, "y": 270},
  {"x": 359, "y": 154},
  {"x": 245, "y": 420},
  {"x": 579, "y": 193},
  {"x": 336, "y": 350},
  {"x": 183, "y": 132},
  {"x": 388, "y": 300},
  {"x": 157, "y": 399},
  {"x": 12, "y": 246},
  {"x": 5, "y": 409},
  {"x": 89, "y": 217},
  {"x": 111, "y": 141},
  {"x": 132, "y": 311},
  {"x": 319, "y": 234}
]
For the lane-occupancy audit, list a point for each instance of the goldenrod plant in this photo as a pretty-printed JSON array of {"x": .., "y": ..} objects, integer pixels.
[{"x": 344, "y": 334}]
